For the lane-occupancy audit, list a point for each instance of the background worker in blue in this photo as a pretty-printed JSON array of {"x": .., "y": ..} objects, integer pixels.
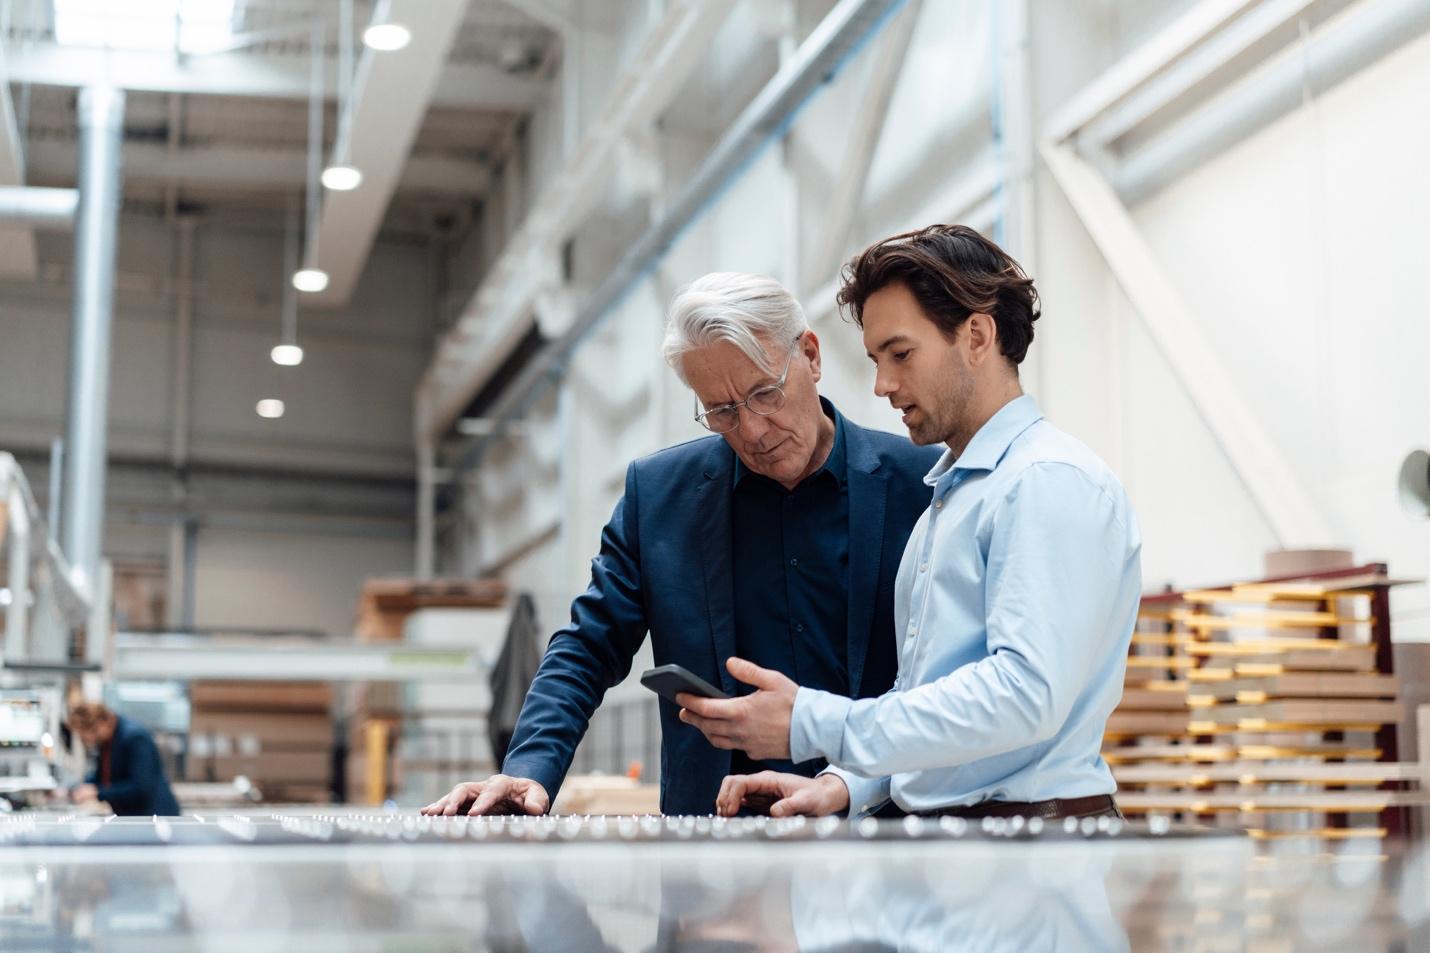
[
  {"x": 128, "y": 774},
  {"x": 776, "y": 540}
]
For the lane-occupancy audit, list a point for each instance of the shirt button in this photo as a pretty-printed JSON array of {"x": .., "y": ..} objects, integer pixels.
[
  {"x": 794, "y": 562},
  {"x": 938, "y": 504},
  {"x": 913, "y": 631},
  {"x": 923, "y": 567},
  {"x": 799, "y": 626}
]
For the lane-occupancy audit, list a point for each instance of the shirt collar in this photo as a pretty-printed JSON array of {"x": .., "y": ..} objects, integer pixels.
[
  {"x": 834, "y": 464},
  {"x": 988, "y": 446}
]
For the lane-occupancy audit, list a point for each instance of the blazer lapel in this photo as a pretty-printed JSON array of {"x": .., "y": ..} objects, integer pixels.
[
  {"x": 713, "y": 504},
  {"x": 867, "y": 496}
]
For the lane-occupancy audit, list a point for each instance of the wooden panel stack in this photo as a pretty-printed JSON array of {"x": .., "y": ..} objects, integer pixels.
[
  {"x": 386, "y": 603},
  {"x": 1268, "y": 705},
  {"x": 385, "y": 612},
  {"x": 277, "y": 734}
]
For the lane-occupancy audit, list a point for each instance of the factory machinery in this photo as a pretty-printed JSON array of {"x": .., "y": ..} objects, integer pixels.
[{"x": 331, "y": 880}]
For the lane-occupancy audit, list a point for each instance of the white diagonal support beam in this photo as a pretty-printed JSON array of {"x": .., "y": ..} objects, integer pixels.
[
  {"x": 1135, "y": 70},
  {"x": 1195, "y": 68},
  {"x": 494, "y": 320},
  {"x": 18, "y": 258},
  {"x": 249, "y": 169},
  {"x": 865, "y": 129},
  {"x": 764, "y": 120},
  {"x": 459, "y": 86},
  {"x": 1274, "y": 486},
  {"x": 971, "y": 199},
  {"x": 390, "y": 97}
]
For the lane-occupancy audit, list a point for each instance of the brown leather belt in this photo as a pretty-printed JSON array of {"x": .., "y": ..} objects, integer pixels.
[{"x": 1056, "y": 808}]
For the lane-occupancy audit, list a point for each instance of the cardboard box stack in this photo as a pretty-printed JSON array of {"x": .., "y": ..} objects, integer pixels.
[
  {"x": 431, "y": 728},
  {"x": 140, "y": 596},
  {"x": 277, "y": 734}
]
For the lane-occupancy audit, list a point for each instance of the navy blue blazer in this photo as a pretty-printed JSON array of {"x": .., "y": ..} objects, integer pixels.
[
  {"x": 137, "y": 786},
  {"x": 665, "y": 568}
]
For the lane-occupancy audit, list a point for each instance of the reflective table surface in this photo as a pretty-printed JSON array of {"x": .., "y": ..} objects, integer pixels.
[{"x": 317, "y": 882}]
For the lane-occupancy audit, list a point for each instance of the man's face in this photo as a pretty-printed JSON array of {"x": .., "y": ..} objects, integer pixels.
[
  {"x": 93, "y": 733},
  {"x": 924, "y": 375},
  {"x": 781, "y": 446}
]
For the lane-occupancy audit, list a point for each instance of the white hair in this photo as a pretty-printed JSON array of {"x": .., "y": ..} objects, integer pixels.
[{"x": 735, "y": 307}]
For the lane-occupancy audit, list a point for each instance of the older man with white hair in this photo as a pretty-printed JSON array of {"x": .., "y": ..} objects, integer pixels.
[{"x": 775, "y": 541}]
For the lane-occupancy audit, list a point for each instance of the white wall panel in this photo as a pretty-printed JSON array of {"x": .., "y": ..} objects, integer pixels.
[
  {"x": 279, "y": 580},
  {"x": 1298, "y": 249}
]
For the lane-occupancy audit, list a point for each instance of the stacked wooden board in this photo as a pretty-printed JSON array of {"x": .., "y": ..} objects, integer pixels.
[
  {"x": 1269, "y": 705},
  {"x": 386, "y": 604},
  {"x": 390, "y": 718},
  {"x": 277, "y": 734}
]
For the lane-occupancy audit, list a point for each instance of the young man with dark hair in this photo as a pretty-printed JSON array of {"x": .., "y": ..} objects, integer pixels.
[{"x": 1018, "y": 590}]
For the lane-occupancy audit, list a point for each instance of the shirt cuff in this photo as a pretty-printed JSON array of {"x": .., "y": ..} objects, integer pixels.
[
  {"x": 816, "y": 725},
  {"x": 866, "y": 795}
]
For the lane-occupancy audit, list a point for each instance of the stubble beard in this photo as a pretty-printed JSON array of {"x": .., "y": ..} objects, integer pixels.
[{"x": 950, "y": 406}]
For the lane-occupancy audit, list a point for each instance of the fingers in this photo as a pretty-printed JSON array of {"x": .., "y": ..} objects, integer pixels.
[
  {"x": 817, "y": 798},
  {"x": 454, "y": 799},
  {"x": 494, "y": 792},
  {"x": 535, "y": 800},
  {"x": 752, "y": 674},
  {"x": 707, "y": 707},
  {"x": 805, "y": 800},
  {"x": 731, "y": 796},
  {"x": 800, "y": 802},
  {"x": 739, "y": 791},
  {"x": 716, "y": 731}
]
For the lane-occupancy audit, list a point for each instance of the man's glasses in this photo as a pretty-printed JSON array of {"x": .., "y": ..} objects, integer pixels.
[{"x": 764, "y": 401}]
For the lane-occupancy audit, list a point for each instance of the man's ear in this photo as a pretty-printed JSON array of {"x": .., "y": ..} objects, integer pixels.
[
  {"x": 809, "y": 342},
  {"x": 981, "y": 332}
]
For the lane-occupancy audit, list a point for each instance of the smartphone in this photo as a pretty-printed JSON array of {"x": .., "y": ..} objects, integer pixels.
[{"x": 669, "y": 680}]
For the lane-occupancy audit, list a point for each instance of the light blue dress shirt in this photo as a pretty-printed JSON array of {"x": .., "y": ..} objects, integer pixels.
[{"x": 1014, "y": 607}]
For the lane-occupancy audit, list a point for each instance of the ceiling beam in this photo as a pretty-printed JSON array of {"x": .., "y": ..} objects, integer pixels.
[
  {"x": 249, "y": 169},
  {"x": 472, "y": 86},
  {"x": 390, "y": 96}
]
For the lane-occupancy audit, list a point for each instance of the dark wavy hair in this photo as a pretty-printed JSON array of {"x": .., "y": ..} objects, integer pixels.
[{"x": 952, "y": 271}]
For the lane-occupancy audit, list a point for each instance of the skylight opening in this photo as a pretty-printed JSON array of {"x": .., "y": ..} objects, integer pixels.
[{"x": 188, "y": 26}]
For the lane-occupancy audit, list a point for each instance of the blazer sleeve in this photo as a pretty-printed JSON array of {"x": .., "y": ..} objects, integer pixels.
[
  {"x": 143, "y": 774},
  {"x": 592, "y": 653}
]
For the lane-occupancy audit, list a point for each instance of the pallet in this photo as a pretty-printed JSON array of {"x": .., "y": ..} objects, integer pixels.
[{"x": 1278, "y": 683}]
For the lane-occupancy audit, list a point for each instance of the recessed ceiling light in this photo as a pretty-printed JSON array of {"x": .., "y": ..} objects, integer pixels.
[
  {"x": 342, "y": 178},
  {"x": 271, "y": 408},
  {"x": 386, "y": 37},
  {"x": 289, "y": 355},
  {"x": 311, "y": 280}
]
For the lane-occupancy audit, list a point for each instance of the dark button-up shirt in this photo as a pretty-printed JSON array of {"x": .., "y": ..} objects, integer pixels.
[{"x": 791, "y": 569}]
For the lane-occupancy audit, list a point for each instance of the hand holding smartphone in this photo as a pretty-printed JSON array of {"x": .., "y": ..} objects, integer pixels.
[{"x": 667, "y": 681}]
